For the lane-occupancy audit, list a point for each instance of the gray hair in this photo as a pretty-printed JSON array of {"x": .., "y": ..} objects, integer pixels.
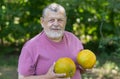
[{"x": 53, "y": 7}]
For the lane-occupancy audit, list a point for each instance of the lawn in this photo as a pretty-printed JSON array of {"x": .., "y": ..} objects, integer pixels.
[
  {"x": 8, "y": 67},
  {"x": 107, "y": 67}
]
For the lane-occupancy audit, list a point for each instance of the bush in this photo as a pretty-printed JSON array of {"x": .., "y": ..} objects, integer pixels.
[{"x": 109, "y": 45}]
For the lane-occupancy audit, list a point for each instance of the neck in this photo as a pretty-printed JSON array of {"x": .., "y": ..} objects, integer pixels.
[{"x": 56, "y": 39}]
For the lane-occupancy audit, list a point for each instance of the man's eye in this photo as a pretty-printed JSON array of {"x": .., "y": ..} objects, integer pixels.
[
  {"x": 51, "y": 20},
  {"x": 60, "y": 20}
]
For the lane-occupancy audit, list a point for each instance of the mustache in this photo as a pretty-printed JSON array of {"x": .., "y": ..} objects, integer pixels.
[{"x": 56, "y": 27}]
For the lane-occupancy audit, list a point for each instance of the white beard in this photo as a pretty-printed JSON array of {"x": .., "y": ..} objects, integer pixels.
[{"x": 53, "y": 34}]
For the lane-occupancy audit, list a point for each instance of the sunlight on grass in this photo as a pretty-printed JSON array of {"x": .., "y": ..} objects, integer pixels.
[
  {"x": 0, "y": 73},
  {"x": 109, "y": 66},
  {"x": 109, "y": 70},
  {"x": 9, "y": 72}
]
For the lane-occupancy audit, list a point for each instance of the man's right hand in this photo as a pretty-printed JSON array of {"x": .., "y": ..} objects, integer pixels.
[{"x": 52, "y": 75}]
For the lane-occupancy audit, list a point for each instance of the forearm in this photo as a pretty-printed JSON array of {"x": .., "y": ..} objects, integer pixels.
[{"x": 33, "y": 77}]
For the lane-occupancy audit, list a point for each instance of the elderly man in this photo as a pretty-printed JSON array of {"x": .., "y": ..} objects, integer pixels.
[{"x": 38, "y": 55}]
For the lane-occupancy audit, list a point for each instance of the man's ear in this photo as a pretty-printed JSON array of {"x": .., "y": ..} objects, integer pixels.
[{"x": 41, "y": 21}]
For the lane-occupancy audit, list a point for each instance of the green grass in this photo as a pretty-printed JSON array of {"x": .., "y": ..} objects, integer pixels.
[
  {"x": 8, "y": 67},
  {"x": 107, "y": 67}
]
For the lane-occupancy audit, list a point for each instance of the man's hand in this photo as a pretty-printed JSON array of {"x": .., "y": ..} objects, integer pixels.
[
  {"x": 82, "y": 70},
  {"x": 52, "y": 75}
]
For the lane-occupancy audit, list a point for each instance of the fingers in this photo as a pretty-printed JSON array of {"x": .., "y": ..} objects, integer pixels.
[
  {"x": 64, "y": 78},
  {"x": 88, "y": 70},
  {"x": 81, "y": 68},
  {"x": 51, "y": 69},
  {"x": 57, "y": 75},
  {"x": 68, "y": 78},
  {"x": 84, "y": 70},
  {"x": 52, "y": 74},
  {"x": 61, "y": 75}
]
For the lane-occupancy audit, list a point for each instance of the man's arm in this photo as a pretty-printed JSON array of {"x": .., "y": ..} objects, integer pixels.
[
  {"x": 49, "y": 75},
  {"x": 33, "y": 77}
]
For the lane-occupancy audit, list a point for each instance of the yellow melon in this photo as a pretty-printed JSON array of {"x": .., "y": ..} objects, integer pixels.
[
  {"x": 65, "y": 65},
  {"x": 86, "y": 58}
]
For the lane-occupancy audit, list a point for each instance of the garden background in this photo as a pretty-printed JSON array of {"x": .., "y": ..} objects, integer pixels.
[{"x": 95, "y": 22}]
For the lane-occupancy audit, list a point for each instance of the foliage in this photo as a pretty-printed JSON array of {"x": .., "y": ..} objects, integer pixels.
[
  {"x": 90, "y": 20},
  {"x": 19, "y": 22},
  {"x": 110, "y": 45}
]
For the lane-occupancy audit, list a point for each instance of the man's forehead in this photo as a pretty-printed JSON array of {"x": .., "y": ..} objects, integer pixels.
[{"x": 54, "y": 14}]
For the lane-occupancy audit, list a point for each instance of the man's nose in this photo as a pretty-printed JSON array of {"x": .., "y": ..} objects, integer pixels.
[{"x": 56, "y": 22}]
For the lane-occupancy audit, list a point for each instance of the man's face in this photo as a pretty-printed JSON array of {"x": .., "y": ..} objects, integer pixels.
[{"x": 54, "y": 24}]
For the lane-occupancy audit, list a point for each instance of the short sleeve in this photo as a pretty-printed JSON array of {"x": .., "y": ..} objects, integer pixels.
[{"x": 25, "y": 63}]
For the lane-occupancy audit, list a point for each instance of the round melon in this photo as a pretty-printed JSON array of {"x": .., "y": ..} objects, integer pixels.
[
  {"x": 86, "y": 58},
  {"x": 65, "y": 65}
]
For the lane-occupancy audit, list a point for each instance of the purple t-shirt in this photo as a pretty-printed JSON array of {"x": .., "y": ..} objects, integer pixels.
[{"x": 39, "y": 53}]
